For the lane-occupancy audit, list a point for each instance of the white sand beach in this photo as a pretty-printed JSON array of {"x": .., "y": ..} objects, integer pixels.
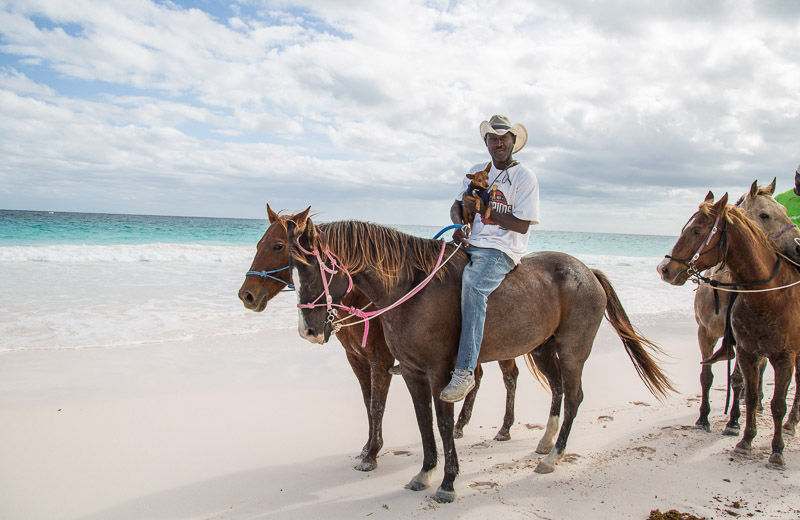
[{"x": 265, "y": 425}]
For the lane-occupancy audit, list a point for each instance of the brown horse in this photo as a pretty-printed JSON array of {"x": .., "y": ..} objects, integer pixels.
[
  {"x": 764, "y": 319},
  {"x": 269, "y": 275},
  {"x": 710, "y": 304},
  {"x": 551, "y": 305}
]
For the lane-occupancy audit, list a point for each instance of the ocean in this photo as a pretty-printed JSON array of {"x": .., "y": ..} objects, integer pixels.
[{"x": 88, "y": 280}]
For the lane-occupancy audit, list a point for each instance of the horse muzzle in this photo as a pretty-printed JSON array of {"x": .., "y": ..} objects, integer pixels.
[{"x": 672, "y": 272}]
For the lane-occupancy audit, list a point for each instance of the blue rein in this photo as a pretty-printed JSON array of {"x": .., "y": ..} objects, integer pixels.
[{"x": 268, "y": 274}]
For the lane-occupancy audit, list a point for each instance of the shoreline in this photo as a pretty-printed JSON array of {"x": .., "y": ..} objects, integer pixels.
[{"x": 266, "y": 425}]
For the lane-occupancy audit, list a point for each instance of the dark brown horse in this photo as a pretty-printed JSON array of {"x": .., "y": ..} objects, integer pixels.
[
  {"x": 764, "y": 320},
  {"x": 551, "y": 305},
  {"x": 710, "y": 304},
  {"x": 371, "y": 363}
]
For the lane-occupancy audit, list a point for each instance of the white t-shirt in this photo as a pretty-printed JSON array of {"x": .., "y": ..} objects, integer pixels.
[{"x": 514, "y": 191}]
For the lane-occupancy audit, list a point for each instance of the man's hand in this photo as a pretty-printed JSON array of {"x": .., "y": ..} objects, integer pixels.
[{"x": 459, "y": 237}]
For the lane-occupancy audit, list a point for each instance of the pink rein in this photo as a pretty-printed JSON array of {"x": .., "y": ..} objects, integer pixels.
[{"x": 366, "y": 316}]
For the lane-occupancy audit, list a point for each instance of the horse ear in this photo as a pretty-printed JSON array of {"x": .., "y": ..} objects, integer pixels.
[
  {"x": 709, "y": 197},
  {"x": 720, "y": 204},
  {"x": 770, "y": 189},
  {"x": 754, "y": 189},
  {"x": 273, "y": 217}
]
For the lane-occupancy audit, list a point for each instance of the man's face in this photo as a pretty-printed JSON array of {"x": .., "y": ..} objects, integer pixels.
[{"x": 500, "y": 146}]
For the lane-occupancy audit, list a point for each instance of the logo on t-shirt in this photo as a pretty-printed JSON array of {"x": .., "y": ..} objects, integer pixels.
[{"x": 498, "y": 203}]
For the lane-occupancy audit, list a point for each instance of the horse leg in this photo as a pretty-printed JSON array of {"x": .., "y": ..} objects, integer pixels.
[
  {"x": 444, "y": 417},
  {"x": 737, "y": 385},
  {"x": 783, "y": 375},
  {"x": 571, "y": 372},
  {"x": 762, "y": 366},
  {"x": 362, "y": 371},
  {"x": 706, "y": 343},
  {"x": 547, "y": 362},
  {"x": 790, "y": 425},
  {"x": 380, "y": 379},
  {"x": 748, "y": 363},
  {"x": 420, "y": 389},
  {"x": 469, "y": 403},
  {"x": 510, "y": 374}
]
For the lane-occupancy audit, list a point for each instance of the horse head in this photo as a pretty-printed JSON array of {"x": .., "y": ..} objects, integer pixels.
[
  {"x": 759, "y": 206},
  {"x": 320, "y": 281},
  {"x": 269, "y": 273},
  {"x": 700, "y": 244}
]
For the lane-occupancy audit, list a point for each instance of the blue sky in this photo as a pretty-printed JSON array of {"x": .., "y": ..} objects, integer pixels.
[{"x": 370, "y": 110}]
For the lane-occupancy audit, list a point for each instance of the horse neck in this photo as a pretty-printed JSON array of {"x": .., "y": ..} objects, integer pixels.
[{"x": 748, "y": 259}]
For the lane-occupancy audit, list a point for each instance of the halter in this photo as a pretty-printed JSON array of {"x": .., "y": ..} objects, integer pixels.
[
  {"x": 366, "y": 316},
  {"x": 784, "y": 230},
  {"x": 268, "y": 274},
  {"x": 323, "y": 270},
  {"x": 721, "y": 247}
]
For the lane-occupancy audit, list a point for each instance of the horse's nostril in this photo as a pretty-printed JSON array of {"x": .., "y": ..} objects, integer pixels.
[{"x": 248, "y": 297}]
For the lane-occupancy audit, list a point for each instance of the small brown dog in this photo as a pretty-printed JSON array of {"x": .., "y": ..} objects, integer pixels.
[{"x": 479, "y": 183}]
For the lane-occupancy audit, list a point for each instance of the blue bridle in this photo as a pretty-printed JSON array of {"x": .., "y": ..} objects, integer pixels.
[{"x": 268, "y": 274}]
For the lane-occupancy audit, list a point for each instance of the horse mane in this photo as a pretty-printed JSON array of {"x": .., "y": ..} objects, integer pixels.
[
  {"x": 391, "y": 254},
  {"x": 735, "y": 215}
]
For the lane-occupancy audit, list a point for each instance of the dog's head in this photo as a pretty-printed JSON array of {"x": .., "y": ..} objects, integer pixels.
[{"x": 480, "y": 179}]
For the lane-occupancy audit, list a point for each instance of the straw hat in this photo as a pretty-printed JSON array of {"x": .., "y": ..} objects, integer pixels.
[{"x": 499, "y": 125}]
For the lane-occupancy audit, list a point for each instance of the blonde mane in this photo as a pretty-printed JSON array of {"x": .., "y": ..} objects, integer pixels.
[
  {"x": 734, "y": 215},
  {"x": 391, "y": 254}
]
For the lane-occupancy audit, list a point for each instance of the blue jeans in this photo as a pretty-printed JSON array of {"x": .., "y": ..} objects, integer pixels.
[{"x": 482, "y": 275}]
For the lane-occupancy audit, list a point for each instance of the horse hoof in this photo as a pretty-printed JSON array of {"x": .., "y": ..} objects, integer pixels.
[
  {"x": 444, "y": 497},
  {"x": 544, "y": 449},
  {"x": 743, "y": 449},
  {"x": 702, "y": 426},
  {"x": 366, "y": 465},
  {"x": 776, "y": 461},
  {"x": 502, "y": 436},
  {"x": 731, "y": 431},
  {"x": 544, "y": 468},
  {"x": 458, "y": 433}
]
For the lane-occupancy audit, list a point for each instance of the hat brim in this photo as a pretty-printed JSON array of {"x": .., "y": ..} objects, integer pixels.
[{"x": 518, "y": 130}]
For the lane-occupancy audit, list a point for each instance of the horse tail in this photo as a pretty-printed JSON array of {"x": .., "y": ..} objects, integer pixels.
[
  {"x": 537, "y": 374},
  {"x": 650, "y": 373}
]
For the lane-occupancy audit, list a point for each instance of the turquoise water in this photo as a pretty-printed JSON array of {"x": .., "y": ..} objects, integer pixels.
[
  {"x": 38, "y": 228},
  {"x": 78, "y": 280}
]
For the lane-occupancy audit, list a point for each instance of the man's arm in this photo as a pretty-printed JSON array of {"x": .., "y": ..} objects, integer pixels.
[{"x": 506, "y": 220}]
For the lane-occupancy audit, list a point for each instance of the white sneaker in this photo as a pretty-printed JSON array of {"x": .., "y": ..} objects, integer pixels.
[{"x": 460, "y": 384}]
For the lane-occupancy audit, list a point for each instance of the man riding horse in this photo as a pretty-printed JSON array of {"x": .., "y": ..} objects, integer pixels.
[{"x": 497, "y": 242}]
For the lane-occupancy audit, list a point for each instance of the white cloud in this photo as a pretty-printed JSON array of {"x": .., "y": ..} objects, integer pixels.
[{"x": 627, "y": 104}]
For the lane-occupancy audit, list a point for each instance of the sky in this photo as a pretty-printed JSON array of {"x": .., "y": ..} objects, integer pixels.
[{"x": 370, "y": 110}]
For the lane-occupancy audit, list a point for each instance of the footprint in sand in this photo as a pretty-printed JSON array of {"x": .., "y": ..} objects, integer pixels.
[
  {"x": 605, "y": 418},
  {"x": 534, "y": 426},
  {"x": 401, "y": 453},
  {"x": 640, "y": 403},
  {"x": 483, "y": 486}
]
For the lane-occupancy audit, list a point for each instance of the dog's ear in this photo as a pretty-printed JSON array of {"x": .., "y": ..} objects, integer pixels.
[
  {"x": 488, "y": 167},
  {"x": 471, "y": 176}
]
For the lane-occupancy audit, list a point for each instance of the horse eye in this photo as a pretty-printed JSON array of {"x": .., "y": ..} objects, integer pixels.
[
  {"x": 277, "y": 247},
  {"x": 764, "y": 216},
  {"x": 695, "y": 231}
]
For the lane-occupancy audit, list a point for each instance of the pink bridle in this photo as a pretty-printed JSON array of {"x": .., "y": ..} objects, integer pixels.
[{"x": 366, "y": 316}]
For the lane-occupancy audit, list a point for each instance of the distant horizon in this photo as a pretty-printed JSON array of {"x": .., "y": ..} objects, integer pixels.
[{"x": 534, "y": 228}]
